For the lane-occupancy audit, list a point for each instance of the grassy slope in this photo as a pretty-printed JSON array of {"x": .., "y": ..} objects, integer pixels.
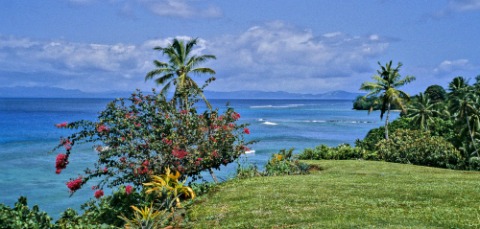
[{"x": 346, "y": 194}]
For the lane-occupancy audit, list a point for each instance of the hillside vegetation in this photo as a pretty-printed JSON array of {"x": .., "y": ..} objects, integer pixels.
[{"x": 345, "y": 194}]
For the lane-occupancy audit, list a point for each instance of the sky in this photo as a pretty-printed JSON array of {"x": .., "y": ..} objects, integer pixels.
[{"x": 298, "y": 46}]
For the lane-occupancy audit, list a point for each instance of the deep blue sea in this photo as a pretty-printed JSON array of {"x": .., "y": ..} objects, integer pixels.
[{"x": 27, "y": 134}]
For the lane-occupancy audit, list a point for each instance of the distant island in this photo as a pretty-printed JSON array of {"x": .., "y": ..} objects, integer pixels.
[{"x": 54, "y": 92}]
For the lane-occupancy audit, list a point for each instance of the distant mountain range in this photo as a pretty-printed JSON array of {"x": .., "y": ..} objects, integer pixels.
[{"x": 53, "y": 92}]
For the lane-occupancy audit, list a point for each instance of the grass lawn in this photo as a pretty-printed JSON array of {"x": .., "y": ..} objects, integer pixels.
[{"x": 346, "y": 194}]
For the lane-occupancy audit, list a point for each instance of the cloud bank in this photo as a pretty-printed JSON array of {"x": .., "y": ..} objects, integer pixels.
[{"x": 272, "y": 56}]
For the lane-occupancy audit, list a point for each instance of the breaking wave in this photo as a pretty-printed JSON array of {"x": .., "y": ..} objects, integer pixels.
[{"x": 277, "y": 106}]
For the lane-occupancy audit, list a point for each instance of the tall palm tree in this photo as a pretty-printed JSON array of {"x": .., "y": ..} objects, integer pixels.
[
  {"x": 422, "y": 111},
  {"x": 465, "y": 105},
  {"x": 182, "y": 62},
  {"x": 386, "y": 82}
]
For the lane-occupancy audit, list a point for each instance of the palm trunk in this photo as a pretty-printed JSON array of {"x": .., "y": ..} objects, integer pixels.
[
  {"x": 470, "y": 133},
  {"x": 213, "y": 175},
  {"x": 386, "y": 121}
]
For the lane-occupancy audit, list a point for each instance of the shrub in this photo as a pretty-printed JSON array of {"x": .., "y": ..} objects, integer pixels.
[
  {"x": 283, "y": 163},
  {"x": 145, "y": 134},
  {"x": 341, "y": 152},
  {"x": 102, "y": 213},
  {"x": 474, "y": 163},
  {"x": 419, "y": 148},
  {"x": 375, "y": 135},
  {"x": 21, "y": 216}
]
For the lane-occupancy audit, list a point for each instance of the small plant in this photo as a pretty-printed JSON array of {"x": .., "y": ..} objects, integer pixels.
[
  {"x": 147, "y": 218},
  {"x": 168, "y": 186},
  {"x": 247, "y": 171},
  {"x": 283, "y": 163}
]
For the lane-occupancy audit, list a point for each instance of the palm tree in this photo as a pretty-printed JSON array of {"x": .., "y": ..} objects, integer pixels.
[
  {"x": 465, "y": 106},
  {"x": 422, "y": 111},
  {"x": 386, "y": 82},
  {"x": 182, "y": 62}
]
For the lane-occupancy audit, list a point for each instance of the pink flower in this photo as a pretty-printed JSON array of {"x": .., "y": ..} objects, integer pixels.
[
  {"x": 246, "y": 130},
  {"x": 61, "y": 125},
  {"x": 74, "y": 185},
  {"x": 61, "y": 162},
  {"x": 128, "y": 189},
  {"x": 98, "y": 193},
  {"x": 105, "y": 170}
]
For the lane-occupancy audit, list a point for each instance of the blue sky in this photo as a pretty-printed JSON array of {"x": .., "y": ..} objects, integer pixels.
[{"x": 303, "y": 46}]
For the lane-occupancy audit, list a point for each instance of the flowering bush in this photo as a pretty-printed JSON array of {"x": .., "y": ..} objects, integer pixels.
[{"x": 145, "y": 134}]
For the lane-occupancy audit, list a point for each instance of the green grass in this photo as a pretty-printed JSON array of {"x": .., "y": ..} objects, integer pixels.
[{"x": 346, "y": 194}]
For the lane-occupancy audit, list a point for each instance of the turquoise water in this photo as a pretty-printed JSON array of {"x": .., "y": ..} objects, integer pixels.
[{"x": 27, "y": 134}]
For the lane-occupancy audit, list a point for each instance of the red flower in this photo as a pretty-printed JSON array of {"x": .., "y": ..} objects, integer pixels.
[
  {"x": 98, "y": 193},
  {"x": 246, "y": 130},
  {"x": 128, "y": 189},
  {"x": 105, "y": 170},
  {"x": 67, "y": 147},
  {"x": 74, "y": 185},
  {"x": 235, "y": 115},
  {"x": 61, "y": 125},
  {"x": 215, "y": 154},
  {"x": 102, "y": 128},
  {"x": 178, "y": 153},
  {"x": 61, "y": 162}
]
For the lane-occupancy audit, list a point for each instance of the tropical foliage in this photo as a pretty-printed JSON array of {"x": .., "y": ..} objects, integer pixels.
[
  {"x": 21, "y": 216},
  {"x": 422, "y": 112},
  {"x": 283, "y": 163},
  {"x": 182, "y": 63},
  {"x": 419, "y": 148},
  {"x": 145, "y": 134},
  {"x": 385, "y": 85},
  {"x": 340, "y": 152}
]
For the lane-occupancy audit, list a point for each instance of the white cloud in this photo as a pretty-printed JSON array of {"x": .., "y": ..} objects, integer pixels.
[
  {"x": 276, "y": 56},
  {"x": 273, "y": 56},
  {"x": 181, "y": 8},
  {"x": 448, "y": 67},
  {"x": 169, "y": 8},
  {"x": 458, "y": 6},
  {"x": 80, "y": 65},
  {"x": 464, "y": 5}
]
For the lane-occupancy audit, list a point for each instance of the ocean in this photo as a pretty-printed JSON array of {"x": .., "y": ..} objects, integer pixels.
[{"x": 27, "y": 134}]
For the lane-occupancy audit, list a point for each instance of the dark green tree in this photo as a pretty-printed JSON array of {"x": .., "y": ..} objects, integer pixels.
[{"x": 436, "y": 93}]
